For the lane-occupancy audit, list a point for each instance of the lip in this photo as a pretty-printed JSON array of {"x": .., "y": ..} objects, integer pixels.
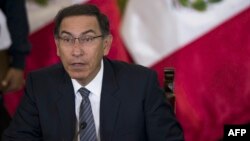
[{"x": 77, "y": 65}]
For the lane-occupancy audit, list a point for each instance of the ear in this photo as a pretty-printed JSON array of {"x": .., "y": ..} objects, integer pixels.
[
  {"x": 57, "y": 47},
  {"x": 107, "y": 44}
]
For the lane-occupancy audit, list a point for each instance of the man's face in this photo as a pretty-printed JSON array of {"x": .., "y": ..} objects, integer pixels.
[{"x": 82, "y": 60}]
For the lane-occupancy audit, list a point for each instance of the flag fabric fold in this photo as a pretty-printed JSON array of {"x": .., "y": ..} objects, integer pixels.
[
  {"x": 210, "y": 54},
  {"x": 152, "y": 30}
]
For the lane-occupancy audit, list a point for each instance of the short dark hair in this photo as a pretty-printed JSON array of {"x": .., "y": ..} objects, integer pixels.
[{"x": 82, "y": 9}]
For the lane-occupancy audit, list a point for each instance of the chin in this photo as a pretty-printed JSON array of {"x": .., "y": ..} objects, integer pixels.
[{"x": 77, "y": 75}]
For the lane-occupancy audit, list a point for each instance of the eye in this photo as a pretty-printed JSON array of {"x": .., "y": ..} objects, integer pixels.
[
  {"x": 87, "y": 39},
  {"x": 67, "y": 39}
]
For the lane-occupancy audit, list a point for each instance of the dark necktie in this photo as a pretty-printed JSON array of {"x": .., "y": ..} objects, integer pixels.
[{"x": 86, "y": 116}]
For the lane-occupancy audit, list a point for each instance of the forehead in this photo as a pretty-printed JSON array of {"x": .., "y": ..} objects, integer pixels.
[{"x": 80, "y": 24}]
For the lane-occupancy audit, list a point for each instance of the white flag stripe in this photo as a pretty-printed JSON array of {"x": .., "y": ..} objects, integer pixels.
[
  {"x": 197, "y": 24},
  {"x": 5, "y": 40},
  {"x": 153, "y": 29},
  {"x": 39, "y": 16},
  {"x": 142, "y": 29}
]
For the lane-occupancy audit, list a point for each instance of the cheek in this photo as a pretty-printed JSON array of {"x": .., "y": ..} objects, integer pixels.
[
  {"x": 61, "y": 51},
  {"x": 64, "y": 55},
  {"x": 100, "y": 54},
  {"x": 57, "y": 51},
  {"x": 95, "y": 54},
  {"x": 95, "y": 58}
]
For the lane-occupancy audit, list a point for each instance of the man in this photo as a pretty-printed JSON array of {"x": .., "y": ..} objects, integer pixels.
[
  {"x": 14, "y": 47},
  {"x": 89, "y": 97}
]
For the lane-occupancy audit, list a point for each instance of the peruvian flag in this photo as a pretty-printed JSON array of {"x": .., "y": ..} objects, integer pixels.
[{"x": 210, "y": 52}]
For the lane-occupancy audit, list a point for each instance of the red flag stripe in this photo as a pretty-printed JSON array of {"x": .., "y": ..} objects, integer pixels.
[{"x": 212, "y": 79}]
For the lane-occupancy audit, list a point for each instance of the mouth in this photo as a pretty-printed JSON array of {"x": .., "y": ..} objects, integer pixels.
[{"x": 78, "y": 65}]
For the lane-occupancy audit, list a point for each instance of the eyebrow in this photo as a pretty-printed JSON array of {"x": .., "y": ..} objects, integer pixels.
[{"x": 83, "y": 33}]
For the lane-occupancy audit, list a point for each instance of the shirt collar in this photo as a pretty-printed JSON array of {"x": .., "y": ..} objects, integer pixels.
[{"x": 94, "y": 85}]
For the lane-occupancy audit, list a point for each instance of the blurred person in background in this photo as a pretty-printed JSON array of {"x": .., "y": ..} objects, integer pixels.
[{"x": 14, "y": 47}]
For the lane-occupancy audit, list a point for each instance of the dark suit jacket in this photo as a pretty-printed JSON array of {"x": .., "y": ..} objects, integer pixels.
[{"x": 133, "y": 107}]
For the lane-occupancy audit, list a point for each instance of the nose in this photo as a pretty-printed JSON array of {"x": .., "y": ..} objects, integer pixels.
[{"x": 77, "y": 50}]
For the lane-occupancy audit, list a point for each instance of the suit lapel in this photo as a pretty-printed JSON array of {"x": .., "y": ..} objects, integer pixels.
[
  {"x": 66, "y": 107},
  {"x": 109, "y": 104}
]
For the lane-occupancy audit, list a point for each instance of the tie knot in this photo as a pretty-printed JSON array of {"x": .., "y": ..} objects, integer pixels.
[{"x": 84, "y": 92}]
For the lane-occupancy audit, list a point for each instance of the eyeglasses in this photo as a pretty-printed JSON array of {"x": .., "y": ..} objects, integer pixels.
[{"x": 82, "y": 40}]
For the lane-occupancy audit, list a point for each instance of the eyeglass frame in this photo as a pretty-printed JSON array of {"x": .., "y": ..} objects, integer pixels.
[{"x": 72, "y": 38}]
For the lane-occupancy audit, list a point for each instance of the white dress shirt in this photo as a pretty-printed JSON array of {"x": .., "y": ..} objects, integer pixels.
[{"x": 94, "y": 87}]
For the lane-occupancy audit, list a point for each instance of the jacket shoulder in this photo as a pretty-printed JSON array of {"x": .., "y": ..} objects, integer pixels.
[
  {"x": 133, "y": 73},
  {"x": 123, "y": 67},
  {"x": 48, "y": 72}
]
